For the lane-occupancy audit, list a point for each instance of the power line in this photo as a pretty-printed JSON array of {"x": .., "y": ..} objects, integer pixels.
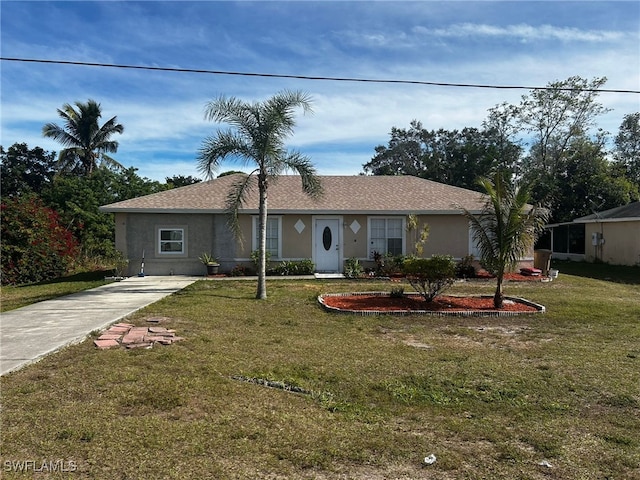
[{"x": 308, "y": 77}]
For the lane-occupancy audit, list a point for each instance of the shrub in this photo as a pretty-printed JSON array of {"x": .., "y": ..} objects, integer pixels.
[
  {"x": 238, "y": 271},
  {"x": 294, "y": 267},
  {"x": 352, "y": 268},
  {"x": 397, "y": 292},
  {"x": 430, "y": 276},
  {"x": 35, "y": 246},
  {"x": 465, "y": 268}
]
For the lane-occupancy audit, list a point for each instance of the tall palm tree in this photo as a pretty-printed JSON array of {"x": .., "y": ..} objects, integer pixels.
[
  {"x": 85, "y": 143},
  {"x": 506, "y": 228},
  {"x": 257, "y": 138}
]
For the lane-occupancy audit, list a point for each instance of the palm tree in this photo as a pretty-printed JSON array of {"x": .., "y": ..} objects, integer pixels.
[
  {"x": 85, "y": 142},
  {"x": 506, "y": 227},
  {"x": 257, "y": 138}
]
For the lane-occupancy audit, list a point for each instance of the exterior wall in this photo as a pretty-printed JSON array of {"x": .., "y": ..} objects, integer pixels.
[
  {"x": 621, "y": 242},
  {"x": 138, "y": 232},
  {"x": 448, "y": 235}
]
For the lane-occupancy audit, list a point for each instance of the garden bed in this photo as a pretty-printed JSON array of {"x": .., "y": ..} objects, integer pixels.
[{"x": 382, "y": 303}]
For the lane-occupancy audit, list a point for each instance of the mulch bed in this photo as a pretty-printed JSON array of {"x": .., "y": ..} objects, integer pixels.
[{"x": 414, "y": 302}]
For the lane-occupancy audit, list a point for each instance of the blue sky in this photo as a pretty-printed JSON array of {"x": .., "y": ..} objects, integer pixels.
[{"x": 503, "y": 43}]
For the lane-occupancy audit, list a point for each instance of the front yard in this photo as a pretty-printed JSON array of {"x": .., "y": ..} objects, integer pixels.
[{"x": 541, "y": 396}]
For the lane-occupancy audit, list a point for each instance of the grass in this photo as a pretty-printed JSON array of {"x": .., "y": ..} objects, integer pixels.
[
  {"x": 19, "y": 296},
  {"x": 491, "y": 398}
]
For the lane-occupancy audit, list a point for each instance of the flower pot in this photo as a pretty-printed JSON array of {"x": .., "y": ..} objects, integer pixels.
[{"x": 212, "y": 268}]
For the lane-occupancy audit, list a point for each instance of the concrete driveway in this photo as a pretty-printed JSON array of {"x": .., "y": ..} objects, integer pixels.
[{"x": 27, "y": 334}]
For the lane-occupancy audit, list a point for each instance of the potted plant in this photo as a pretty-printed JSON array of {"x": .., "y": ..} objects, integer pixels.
[{"x": 211, "y": 263}]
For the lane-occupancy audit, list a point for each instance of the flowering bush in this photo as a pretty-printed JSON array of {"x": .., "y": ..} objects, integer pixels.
[{"x": 35, "y": 246}]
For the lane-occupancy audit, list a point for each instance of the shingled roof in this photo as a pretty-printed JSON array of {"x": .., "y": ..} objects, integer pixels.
[
  {"x": 630, "y": 212},
  {"x": 342, "y": 194}
]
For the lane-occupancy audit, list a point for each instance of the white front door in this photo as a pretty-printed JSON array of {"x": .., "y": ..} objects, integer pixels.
[{"x": 327, "y": 244}]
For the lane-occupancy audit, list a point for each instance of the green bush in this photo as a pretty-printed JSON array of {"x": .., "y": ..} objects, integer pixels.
[
  {"x": 352, "y": 268},
  {"x": 465, "y": 268},
  {"x": 430, "y": 276},
  {"x": 294, "y": 267},
  {"x": 35, "y": 245}
]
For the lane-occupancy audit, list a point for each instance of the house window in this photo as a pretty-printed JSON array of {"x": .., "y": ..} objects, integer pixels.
[
  {"x": 171, "y": 241},
  {"x": 386, "y": 236},
  {"x": 274, "y": 235}
]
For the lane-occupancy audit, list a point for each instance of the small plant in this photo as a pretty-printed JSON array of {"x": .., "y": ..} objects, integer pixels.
[
  {"x": 465, "y": 268},
  {"x": 238, "y": 271},
  {"x": 255, "y": 258},
  {"x": 430, "y": 276},
  {"x": 208, "y": 259},
  {"x": 419, "y": 236},
  {"x": 121, "y": 263},
  {"x": 352, "y": 268},
  {"x": 397, "y": 292},
  {"x": 392, "y": 264},
  {"x": 294, "y": 267}
]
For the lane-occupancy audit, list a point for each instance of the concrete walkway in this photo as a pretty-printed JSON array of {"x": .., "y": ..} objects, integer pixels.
[{"x": 29, "y": 333}]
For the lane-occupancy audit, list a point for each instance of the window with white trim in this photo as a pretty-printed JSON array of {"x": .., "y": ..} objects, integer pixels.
[
  {"x": 386, "y": 235},
  {"x": 171, "y": 241},
  {"x": 273, "y": 235}
]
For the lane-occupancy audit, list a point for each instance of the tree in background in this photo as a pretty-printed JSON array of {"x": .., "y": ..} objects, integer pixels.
[
  {"x": 505, "y": 229},
  {"x": 563, "y": 160},
  {"x": 178, "y": 181},
  {"x": 554, "y": 117},
  {"x": 25, "y": 171},
  {"x": 86, "y": 143},
  {"x": 456, "y": 157},
  {"x": 77, "y": 200},
  {"x": 627, "y": 147},
  {"x": 257, "y": 138},
  {"x": 35, "y": 245},
  {"x": 588, "y": 182}
]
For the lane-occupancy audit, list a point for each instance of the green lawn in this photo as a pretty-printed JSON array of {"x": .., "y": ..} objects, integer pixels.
[
  {"x": 553, "y": 396},
  {"x": 19, "y": 296}
]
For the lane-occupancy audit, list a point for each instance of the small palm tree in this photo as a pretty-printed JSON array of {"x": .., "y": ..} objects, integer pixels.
[
  {"x": 257, "y": 138},
  {"x": 506, "y": 228},
  {"x": 85, "y": 143}
]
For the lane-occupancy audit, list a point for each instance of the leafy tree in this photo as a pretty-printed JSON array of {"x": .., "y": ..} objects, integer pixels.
[
  {"x": 24, "y": 171},
  {"x": 78, "y": 199},
  {"x": 86, "y": 143},
  {"x": 35, "y": 245},
  {"x": 181, "y": 181},
  {"x": 554, "y": 117},
  {"x": 627, "y": 147},
  {"x": 587, "y": 182},
  {"x": 258, "y": 136},
  {"x": 506, "y": 228},
  {"x": 456, "y": 157}
]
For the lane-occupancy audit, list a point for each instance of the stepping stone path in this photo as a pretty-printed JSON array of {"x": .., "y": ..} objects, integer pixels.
[{"x": 130, "y": 336}]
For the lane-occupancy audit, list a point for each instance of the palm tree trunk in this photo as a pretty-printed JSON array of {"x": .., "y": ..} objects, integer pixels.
[
  {"x": 261, "y": 294},
  {"x": 498, "y": 298}
]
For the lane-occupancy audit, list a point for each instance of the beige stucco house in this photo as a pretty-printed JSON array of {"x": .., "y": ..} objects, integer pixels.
[
  {"x": 612, "y": 236},
  {"x": 355, "y": 216}
]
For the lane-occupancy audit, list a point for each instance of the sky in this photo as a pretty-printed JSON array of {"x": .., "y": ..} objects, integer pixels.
[{"x": 495, "y": 43}]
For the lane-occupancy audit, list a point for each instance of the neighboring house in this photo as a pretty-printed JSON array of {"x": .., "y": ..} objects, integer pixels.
[
  {"x": 355, "y": 216},
  {"x": 612, "y": 236}
]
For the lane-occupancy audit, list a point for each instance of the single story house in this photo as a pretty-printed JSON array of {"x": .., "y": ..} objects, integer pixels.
[
  {"x": 355, "y": 216},
  {"x": 612, "y": 236}
]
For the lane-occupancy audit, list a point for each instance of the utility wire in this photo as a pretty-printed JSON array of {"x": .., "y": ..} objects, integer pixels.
[{"x": 307, "y": 77}]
